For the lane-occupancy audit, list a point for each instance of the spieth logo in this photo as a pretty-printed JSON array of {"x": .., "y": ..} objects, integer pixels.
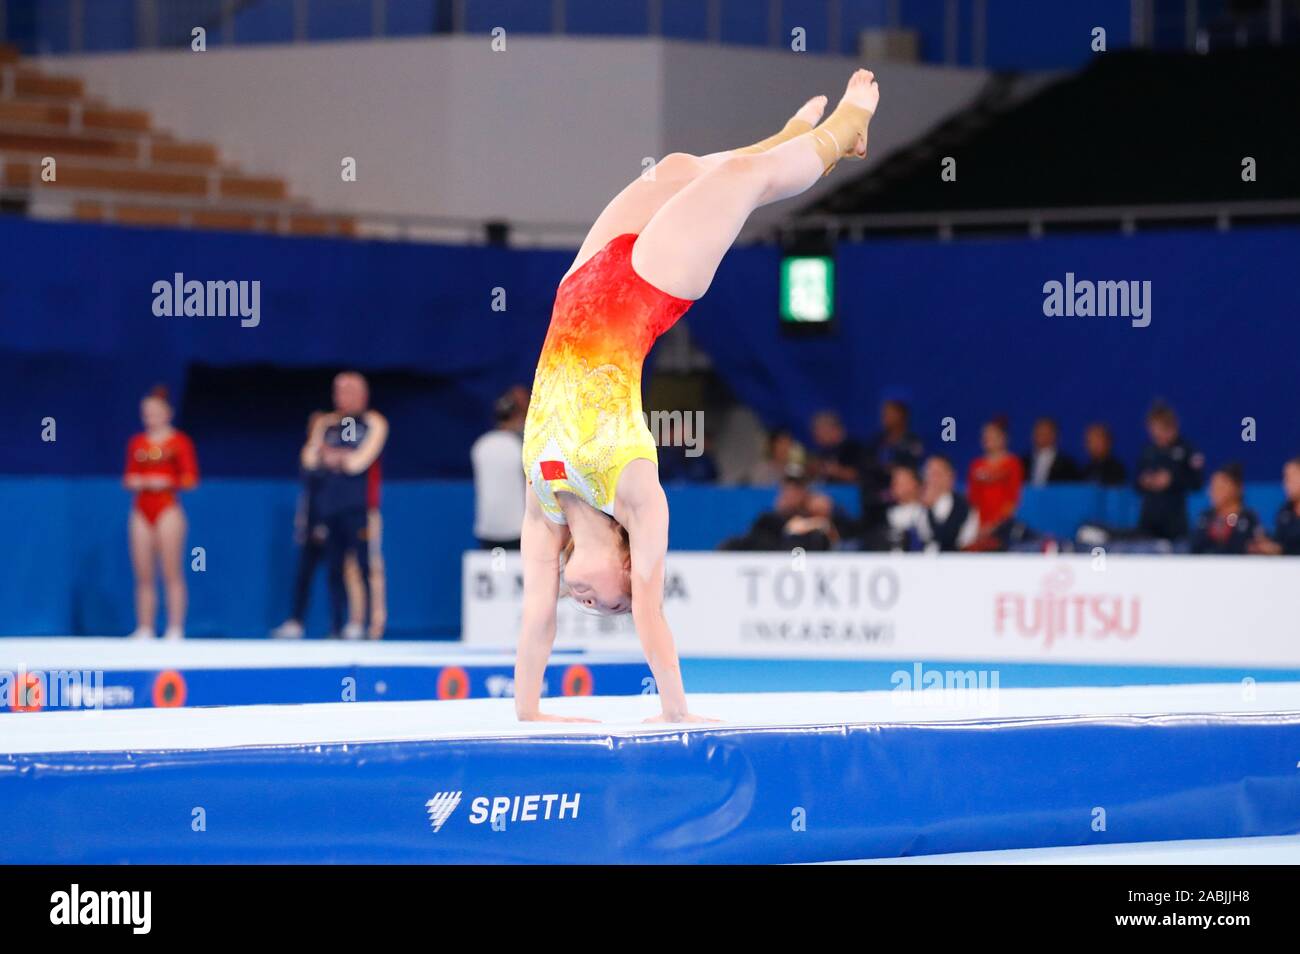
[
  {"x": 440, "y": 808},
  {"x": 1057, "y": 614},
  {"x": 500, "y": 809}
]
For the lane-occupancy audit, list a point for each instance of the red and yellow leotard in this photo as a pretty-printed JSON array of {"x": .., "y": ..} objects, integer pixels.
[
  {"x": 584, "y": 417},
  {"x": 172, "y": 457}
]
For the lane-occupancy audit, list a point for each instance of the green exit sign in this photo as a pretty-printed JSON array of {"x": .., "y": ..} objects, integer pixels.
[{"x": 807, "y": 289}]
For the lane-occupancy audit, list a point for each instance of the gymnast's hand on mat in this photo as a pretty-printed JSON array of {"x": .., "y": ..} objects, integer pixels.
[{"x": 683, "y": 717}]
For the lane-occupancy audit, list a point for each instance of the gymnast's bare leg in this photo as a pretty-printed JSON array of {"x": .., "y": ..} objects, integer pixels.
[
  {"x": 631, "y": 209},
  {"x": 680, "y": 247}
]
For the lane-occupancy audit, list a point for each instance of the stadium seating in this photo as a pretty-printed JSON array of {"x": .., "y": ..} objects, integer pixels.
[{"x": 113, "y": 164}]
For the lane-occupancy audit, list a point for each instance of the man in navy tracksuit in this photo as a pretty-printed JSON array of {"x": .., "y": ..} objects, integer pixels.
[
  {"x": 346, "y": 445},
  {"x": 1169, "y": 469}
]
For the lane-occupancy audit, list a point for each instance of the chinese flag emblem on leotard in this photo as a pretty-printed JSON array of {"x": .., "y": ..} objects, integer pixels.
[{"x": 553, "y": 470}]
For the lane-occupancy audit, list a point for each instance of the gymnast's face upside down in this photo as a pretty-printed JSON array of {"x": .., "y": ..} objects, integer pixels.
[{"x": 597, "y": 570}]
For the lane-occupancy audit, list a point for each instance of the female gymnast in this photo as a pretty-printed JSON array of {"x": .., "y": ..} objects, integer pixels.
[
  {"x": 159, "y": 462},
  {"x": 596, "y": 522}
]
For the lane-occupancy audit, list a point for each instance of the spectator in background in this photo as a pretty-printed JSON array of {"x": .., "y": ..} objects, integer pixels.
[
  {"x": 346, "y": 445},
  {"x": 160, "y": 462},
  {"x": 1286, "y": 529},
  {"x": 309, "y": 534},
  {"x": 1045, "y": 463},
  {"x": 499, "y": 483},
  {"x": 994, "y": 483},
  {"x": 1103, "y": 467},
  {"x": 801, "y": 517},
  {"x": 679, "y": 463},
  {"x": 838, "y": 458},
  {"x": 1168, "y": 470},
  {"x": 951, "y": 522},
  {"x": 784, "y": 454},
  {"x": 907, "y": 518},
  {"x": 1227, "y": 526},
  {"x": 820, "y": 525},
  {"x": 894, "y": 445}
]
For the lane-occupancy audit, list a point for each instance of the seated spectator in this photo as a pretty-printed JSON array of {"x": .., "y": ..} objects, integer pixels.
[
  {"x": 895, "y": 444},
  {"x": 1102, "y": 467},
  {"x": 801, "y": 517},
  {"x": 821, "y": 520},
  {"x": 1227, "y": 525},
  {"x": 1286, "y": 530},
  {"x": 1046, "y": 463},
  {"x": 994, "y": 482},
  {"x": 1168, "y": 470},
  {"x": 783, "y": 454},
  {"x": 951, "y": 522},
  {"x": 838, "y": 458},
  {"x": 906, "y": 518}
]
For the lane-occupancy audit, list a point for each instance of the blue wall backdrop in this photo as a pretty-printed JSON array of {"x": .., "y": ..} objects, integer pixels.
[{"x": 957, "y": 327}]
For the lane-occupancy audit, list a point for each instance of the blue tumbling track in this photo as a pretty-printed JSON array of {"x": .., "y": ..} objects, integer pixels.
[{"x": 818, "y": 792}]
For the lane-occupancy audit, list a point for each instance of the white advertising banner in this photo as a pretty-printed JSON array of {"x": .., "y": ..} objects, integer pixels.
[{"x": 1113, "y": 610}]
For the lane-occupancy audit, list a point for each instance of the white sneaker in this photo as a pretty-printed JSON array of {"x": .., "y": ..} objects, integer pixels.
[
  {"x": 353, "y": 631},
  {"x": 174, "y": 634},
  {"x": 289, "y": 629},
  {"x": 143, "y": 632}
]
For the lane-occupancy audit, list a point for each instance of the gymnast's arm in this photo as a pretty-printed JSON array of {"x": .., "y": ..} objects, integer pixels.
[
  {"x": 644, "y": 512},
  {"x": 541, "y": 542}
]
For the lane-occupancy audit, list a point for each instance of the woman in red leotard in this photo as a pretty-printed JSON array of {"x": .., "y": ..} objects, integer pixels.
[
  {"x": 596, "y": 519},
  {"x": 159, "y": 462}
]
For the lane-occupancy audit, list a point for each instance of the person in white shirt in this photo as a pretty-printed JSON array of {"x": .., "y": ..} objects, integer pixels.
[
  {"x": 951, "y": 522},
  {"x": 906, "y": 517},
  {"x": 499, "y": 486}
]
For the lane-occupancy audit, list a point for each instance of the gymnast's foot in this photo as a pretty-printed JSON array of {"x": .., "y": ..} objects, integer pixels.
[
  {"x": 844, "y": 133},
  {"x": 862, "y": 93},
  {"x": 811, "y": 111}
]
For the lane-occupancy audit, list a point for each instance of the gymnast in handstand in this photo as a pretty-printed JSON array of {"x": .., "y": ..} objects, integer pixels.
[{"x": 596, "y": 520}]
